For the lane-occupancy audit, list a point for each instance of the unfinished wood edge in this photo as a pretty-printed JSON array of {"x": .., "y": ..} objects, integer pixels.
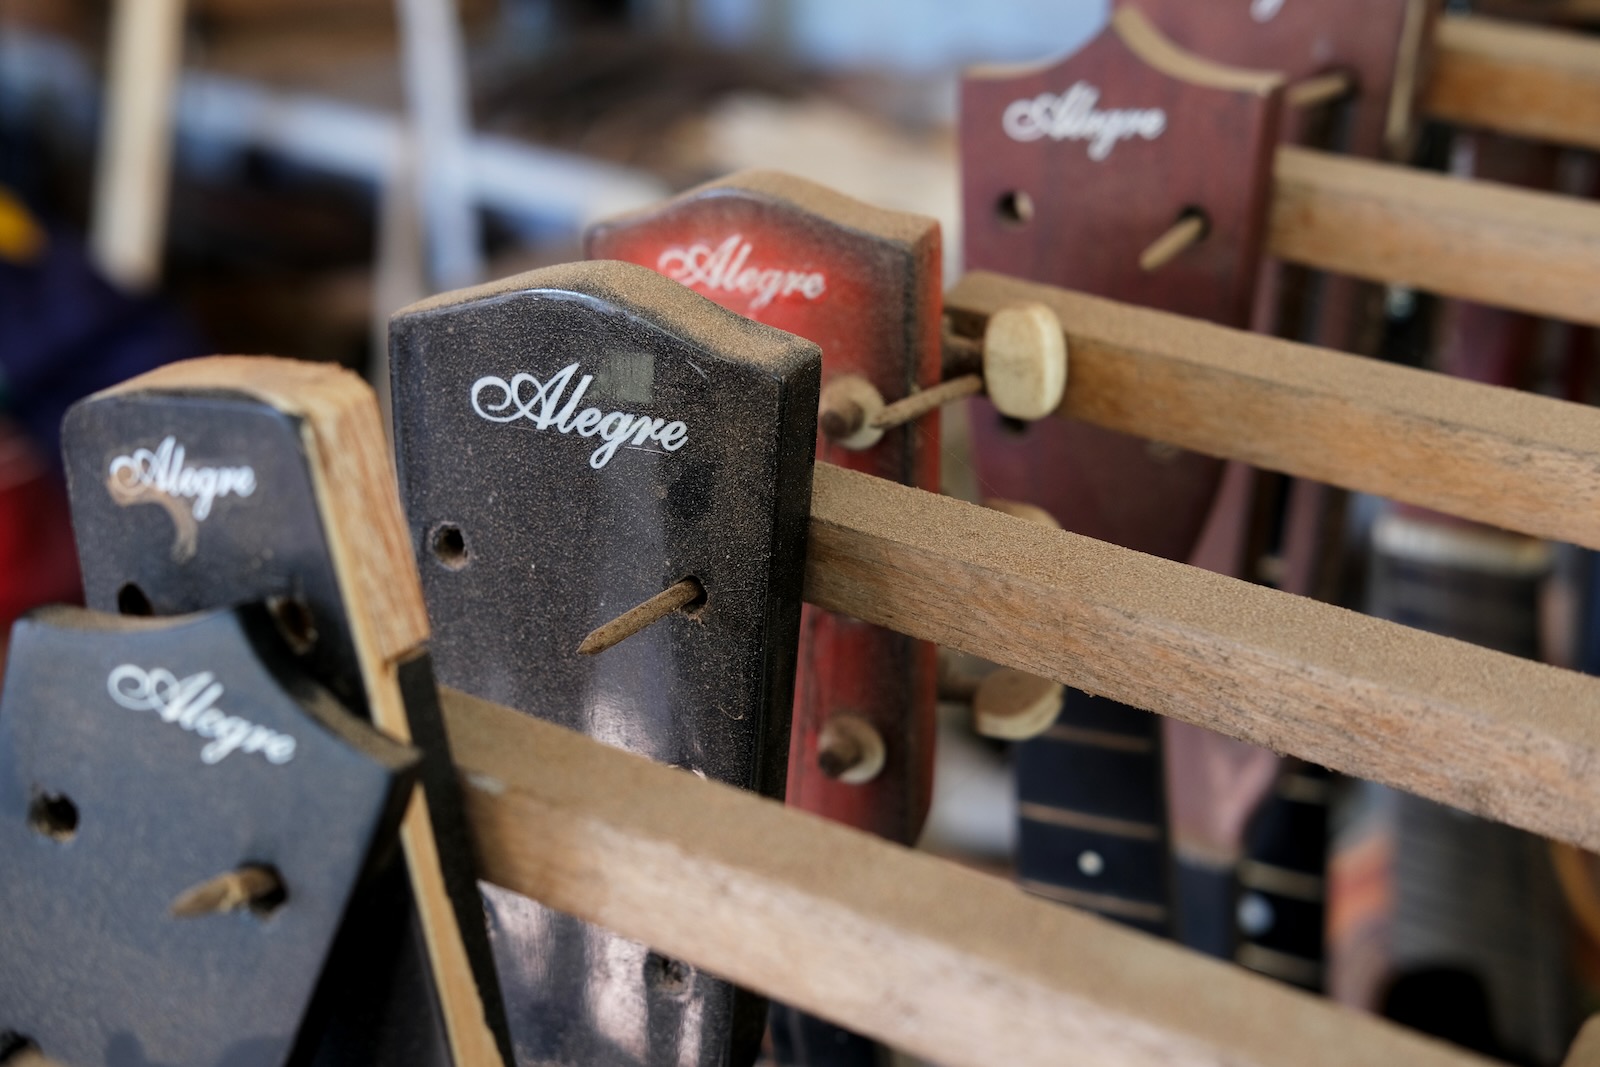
[
  {"x": 133, "y": 175},
  {"x": 1585, "y": 1050},
  {"x": 1508, "y": 41},
  {"x": 1413, "y": 62},
  {"x": 901, "y": 946},
  {"x": 905, "y": 229},
  {"x": 353, "y": 476},
  {"x": 1511, "y": 741},
  {"x": 357, "y": 491},
  {"x": 1157, "y": 50},
  {"x": 357, "y": 494}
]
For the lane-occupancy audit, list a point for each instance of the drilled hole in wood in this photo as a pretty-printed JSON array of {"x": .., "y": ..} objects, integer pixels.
[
  {"x": 666, "y": 975},
  {"x": 15, "y": 1046},
  {"x": 694, "y": 607},
  {"x": 295, "y": 622},
  {"x": 53, "y": 815},
  {"x": 1015, "y": 208},
  {"x": 131, "y": 600},
  {"x": 450, "y": 547},
  {"x": 267, "y": 903}
]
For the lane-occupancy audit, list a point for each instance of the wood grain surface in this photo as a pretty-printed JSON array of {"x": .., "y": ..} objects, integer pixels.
[
  {"x": 1522, "y": 462},
  {"x": 1486, "y": 732},
  {"x": 941, "y": 961},
  {"x": 1494, "y": 244},
  {"x": 1524, "y": 81}
]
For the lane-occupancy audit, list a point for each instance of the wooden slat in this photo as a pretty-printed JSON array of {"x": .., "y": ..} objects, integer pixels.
[
  {"x": 1585, "y": 1051},
  {"x": 1489, "y": 733},
  {"x": 1510, "y": 459},
  {"x": 956, "y": 966},
  {"x": 1512, "y": 78},
  {"x": 1492, "y": 244}
]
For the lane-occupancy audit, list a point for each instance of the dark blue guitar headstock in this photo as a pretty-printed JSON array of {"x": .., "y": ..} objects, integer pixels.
[
  {"x": 572, "y": 442},
  {"x": 234, "y": 480},
  {"x": 184, "y": 818}
]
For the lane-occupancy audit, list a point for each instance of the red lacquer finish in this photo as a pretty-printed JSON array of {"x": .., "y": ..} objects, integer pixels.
[{"x": 864, "y": 284}]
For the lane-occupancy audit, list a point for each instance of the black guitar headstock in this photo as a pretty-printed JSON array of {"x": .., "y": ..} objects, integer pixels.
[
  {"x": 234, "y": 480},
  {"x": 573, "y": 442},
  {"x": 184, "y": 817}
]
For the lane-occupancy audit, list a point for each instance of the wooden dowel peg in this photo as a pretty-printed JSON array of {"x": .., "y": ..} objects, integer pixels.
[
  {"x": 27, "y": 1056},
  {"x": 1012, "y": 706},
  {"x": 921, "y": 403},
  {"x": 673, "y": 598},
  {"x": 1188, "y": 231},
  {"x": 251, "y": 886},
  {"x": 1024, "y": 356},
  {"x": 1319, "y": 90},
  {"x": 850, "y": 750}
]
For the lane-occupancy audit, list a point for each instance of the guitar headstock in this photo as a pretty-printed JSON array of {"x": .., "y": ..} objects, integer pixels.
[
  {"x": 185, "y": 816},
  {"x": 864, "y": 284},
  {"x": 1381, "y": 46},
  {"x": 573, "y": 442},
  {"x": 1072, "y": 170},
  {"x": 233, "y": 480}
]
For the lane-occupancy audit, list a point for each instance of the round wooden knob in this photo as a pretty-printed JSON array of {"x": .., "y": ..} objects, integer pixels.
[
  {"x": 1013, "y": 706},
  {"x": 849, "y": 404},
  {"x": 850, "y": 750},
  {"x": 1025, "y": 361}
]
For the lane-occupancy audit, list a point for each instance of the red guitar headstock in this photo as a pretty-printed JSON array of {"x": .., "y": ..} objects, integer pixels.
[{"x": 864, "y": 284}]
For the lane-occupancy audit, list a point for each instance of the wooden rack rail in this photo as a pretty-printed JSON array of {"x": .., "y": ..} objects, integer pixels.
[
  {"x": 1515, "y": 79},
  {"x": 965, "y": 968},
  {"x": 1493, "y": 244},
  {"x": 957, "y": 966},
  {"x": 1522, "y": 462}
]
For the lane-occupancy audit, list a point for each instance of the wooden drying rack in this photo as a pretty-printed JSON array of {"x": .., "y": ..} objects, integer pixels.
[{"x": 966, "y": 969}]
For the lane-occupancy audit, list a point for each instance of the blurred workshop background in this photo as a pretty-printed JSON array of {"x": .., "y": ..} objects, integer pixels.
[{"x": 325, "y": 162}]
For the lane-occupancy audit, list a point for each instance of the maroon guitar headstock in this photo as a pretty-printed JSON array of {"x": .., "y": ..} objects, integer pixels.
[
  {"x": 1071, "y": 170},
  {"x": 865, "y": 285},
  {"x": 1380, "y": 45}
]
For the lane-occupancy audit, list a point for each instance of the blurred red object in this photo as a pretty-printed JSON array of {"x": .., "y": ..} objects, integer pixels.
[{"x": 38, "y": 561}]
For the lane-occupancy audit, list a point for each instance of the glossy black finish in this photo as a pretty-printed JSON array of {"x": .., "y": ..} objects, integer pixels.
[
  {"x": 152, "y": 552},
  {"x": 528, "y": 537},
  {"x": 113, "y": 801}
]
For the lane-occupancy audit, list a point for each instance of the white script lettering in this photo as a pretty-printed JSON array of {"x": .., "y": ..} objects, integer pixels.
[
  {"x": 526, "y": 397},
  {"x": 723, "y": 268},
  {"x": 189, "y": 703},
  {"x": 1072, "y": 116},
  {"x": 162, "y": 471}
]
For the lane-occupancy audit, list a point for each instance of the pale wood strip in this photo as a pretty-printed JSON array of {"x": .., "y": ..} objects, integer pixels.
[
  {"x": 1513, "y": 78},
  {"x": 1585, "y": 1051},
  {"x": 947, "y": 963},
  {"x": 1510, "y": 459},
  {"x": 134, "y": 170},
  {"x": 1502, "y": 737},
  {"x": 1493, "y": 244}
]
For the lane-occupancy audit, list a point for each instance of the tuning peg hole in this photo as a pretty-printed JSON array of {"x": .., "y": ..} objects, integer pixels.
[{"x": 54, "y": 815}]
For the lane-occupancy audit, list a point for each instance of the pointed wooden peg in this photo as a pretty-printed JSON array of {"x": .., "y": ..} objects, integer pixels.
[
  {"x": 1320, "y": 89},
  {"x": 251, "y": 886},
  {"x": 1188, "y": 231},
  {"x": 1024, "y": 359},
  {"x": 673, "y": 598}
]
